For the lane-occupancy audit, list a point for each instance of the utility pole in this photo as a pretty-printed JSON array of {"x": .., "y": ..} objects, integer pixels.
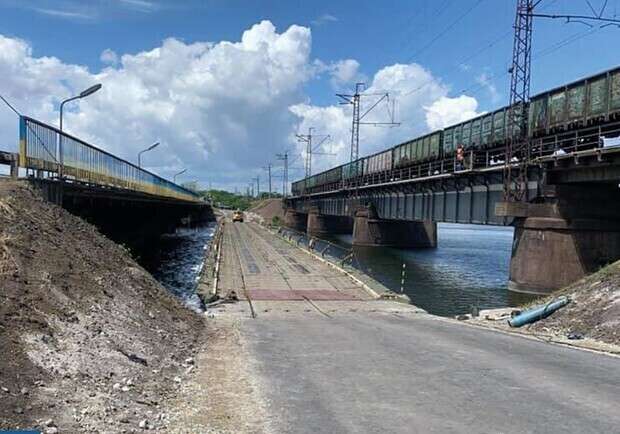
[
  {"x": 257, "y": 179},
  {"x": 517, "y": 145},
  {"x": 284, "y": 157},
  {"x": 268, "y": 169},
  {"x": 355, "y": 101},
  {"x": 307, "y": 139}
]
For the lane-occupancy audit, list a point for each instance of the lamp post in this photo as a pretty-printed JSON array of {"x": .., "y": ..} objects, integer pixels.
[
  {"x": 82, "y": 94},
  {"x": 150, "y": 148},
  {"x": 174, "y": 178}
]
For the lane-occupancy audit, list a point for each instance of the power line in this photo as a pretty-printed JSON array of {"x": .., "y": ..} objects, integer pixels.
[
  {"x": 355, "y": 101},
  {"x": 9, "y": 105},
  {"x": 444, "y": 31}
]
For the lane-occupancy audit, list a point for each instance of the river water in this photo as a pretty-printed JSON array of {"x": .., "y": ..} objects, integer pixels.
[
  {"x": 468, "y": 268},
  {"x": 178, "y": 262}
]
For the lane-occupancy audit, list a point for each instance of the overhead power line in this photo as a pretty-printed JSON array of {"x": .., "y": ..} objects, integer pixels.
[{"x": 444, "y": 31}]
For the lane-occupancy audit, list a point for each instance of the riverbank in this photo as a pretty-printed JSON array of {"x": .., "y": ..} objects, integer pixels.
[
  {"x": 591, "y": 319},
  {"x": 90, "y": 341}
]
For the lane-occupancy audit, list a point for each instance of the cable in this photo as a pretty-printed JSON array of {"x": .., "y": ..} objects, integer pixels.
[
  {"x": 10, "y": 106},
  {"x": 444, "y": 31}
]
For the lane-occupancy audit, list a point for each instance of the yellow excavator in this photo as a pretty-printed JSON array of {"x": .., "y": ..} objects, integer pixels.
[{"x": 237, "y": 216}]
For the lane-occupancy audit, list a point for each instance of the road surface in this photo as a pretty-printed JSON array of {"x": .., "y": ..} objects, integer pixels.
[{"x": 352, "y": 365}]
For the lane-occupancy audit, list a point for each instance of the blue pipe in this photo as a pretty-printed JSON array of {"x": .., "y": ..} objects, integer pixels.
[{"x": 537, "y": 313}]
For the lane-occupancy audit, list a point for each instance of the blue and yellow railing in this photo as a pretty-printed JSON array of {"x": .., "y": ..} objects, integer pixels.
[{"x": 44, "y": 147}]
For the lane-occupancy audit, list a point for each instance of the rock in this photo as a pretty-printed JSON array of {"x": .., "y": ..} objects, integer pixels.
[
  {"x": 125, "y": 388},
  {"x": 189, "y": 360},
  {"x": 19, "y": 410},
  {"x": 177, "y": 379},
  {"x": 24, "y": 391},
  {"x": 51, "y": 430},
  {"x": 129, "y": 382},
  {"x": 144, "y": 424},
  {"x": 49, "y": 422},
  {"x": 190, "y": 369},
  {"x": 116, "y": 386},
  {"x": 4, "y": 389}
]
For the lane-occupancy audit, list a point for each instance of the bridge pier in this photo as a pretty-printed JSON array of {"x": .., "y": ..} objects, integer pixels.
[
  {"x": 322, "y": 224},
  {"x": 370, "y": 230},
  {"x": 572, "y": 232},
  {"x": 295, "y": 220},
  {"x": 550, "y": 253}
]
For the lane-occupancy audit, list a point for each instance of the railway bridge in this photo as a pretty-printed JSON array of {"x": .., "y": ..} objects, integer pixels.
[
  {"x": 126, "y": 202},
  {"x": 568, "y": 226}
]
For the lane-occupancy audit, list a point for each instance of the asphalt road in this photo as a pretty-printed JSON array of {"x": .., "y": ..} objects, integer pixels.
[
  {"x": 360, "y": 366},
  {"x": 384, "y": 373}
]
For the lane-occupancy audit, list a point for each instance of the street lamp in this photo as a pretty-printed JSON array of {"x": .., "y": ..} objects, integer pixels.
[
  {"x": 150, "y": 148},
  {"x": 82, "y": 94},
  {"x": 174, "y": 178}
]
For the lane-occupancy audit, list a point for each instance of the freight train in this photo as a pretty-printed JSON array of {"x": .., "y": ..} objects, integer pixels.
[{"x": 591, "y": 101}]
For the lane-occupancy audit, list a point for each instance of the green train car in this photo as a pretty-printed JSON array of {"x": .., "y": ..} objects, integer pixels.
[
  {"x": 584, "y": 102},
  {"x": 589, "y": 101}
]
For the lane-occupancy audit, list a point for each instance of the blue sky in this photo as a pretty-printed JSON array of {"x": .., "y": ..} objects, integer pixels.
[{"x": 473, "y": 55}]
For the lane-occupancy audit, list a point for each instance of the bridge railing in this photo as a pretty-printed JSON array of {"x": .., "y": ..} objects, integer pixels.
[
  {"x": 555, "y": 143},
  {"x": 45, "y": 148}
]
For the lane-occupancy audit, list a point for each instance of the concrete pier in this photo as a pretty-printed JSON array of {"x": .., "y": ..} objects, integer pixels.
[
  {"x": 550, "y": 253},
  {"x": 295, "y": 220},
  {"x": 321, "y": 224},
  {"x": 370, "y": 230},
  {"x": 568, "y": 233}
]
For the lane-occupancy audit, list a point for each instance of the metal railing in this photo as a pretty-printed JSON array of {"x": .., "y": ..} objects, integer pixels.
[
  {"x": 45, "y": 148},
  {"x": 558, "y": 143}
]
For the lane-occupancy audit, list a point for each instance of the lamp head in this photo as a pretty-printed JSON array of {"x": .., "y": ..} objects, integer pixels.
[{"x": 90, "y": 90}]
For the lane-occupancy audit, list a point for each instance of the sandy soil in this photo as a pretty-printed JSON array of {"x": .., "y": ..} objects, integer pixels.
[
  {"x": 225, "y": 394},
  {"x": 90, "y": 341},
  {"x": 268, "y": 209},
  {"x": 594, "y": 310}
]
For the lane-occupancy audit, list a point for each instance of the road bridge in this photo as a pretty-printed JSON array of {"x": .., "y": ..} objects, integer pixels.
[
  {"x": 125, "y": 201},
  {"x": 569, "y": 225}
]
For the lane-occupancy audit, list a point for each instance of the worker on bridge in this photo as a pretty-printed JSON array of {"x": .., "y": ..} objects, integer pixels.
[{"x": 460, "y": 157}]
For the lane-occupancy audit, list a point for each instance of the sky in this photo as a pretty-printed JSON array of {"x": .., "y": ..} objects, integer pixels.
[{"x": 225, "y": 86}]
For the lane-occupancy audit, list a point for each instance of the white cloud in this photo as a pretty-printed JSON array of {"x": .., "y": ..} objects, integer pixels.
[
  {"x": 324, "y": 19},
  {"x": 109, "y": 57},
  {"x": 421, "y": 105},
  {"x": 140, "y": 5},
  {"x": 221, "y": 109},
  {"x": 448, "y": 111},
  {"x": 62, "y": 13},
  {"x": 345, "y": 72}
]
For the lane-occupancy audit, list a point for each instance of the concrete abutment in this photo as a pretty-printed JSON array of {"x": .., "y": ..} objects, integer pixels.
[{"x": 370, "y": 230}]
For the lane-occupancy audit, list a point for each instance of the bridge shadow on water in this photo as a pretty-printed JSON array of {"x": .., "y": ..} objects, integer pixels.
[{"x": 468, "y": 268}]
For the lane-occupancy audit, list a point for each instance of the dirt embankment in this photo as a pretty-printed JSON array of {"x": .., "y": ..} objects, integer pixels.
[
  {"x": 268, "y": 209},
  {"x": 90, "y": 341},
  {"x": 594, "y": 310}
]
